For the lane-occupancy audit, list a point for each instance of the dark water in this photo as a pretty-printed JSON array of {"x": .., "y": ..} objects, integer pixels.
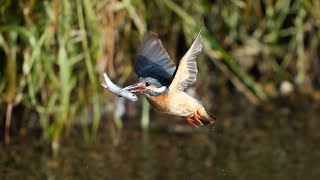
[{"x": 273, "y": 142}]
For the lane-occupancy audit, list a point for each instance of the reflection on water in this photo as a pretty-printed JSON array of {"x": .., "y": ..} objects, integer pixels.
[{"x": 263, "y": 143}]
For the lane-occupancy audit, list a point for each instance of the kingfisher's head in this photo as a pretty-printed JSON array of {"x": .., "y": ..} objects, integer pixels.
[{"x": 148, "y": 86}]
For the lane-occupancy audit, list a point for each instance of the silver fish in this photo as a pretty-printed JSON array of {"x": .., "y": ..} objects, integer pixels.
[{"x": 107, "y": 83}]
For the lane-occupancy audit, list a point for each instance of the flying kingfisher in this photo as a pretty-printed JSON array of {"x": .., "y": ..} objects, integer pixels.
[{"x": 155, "y": 70}]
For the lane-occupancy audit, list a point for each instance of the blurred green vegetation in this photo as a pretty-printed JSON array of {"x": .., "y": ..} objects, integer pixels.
[{"x": 53, "y": 52}]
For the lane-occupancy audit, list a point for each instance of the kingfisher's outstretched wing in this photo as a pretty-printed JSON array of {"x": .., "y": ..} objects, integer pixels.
[
  {"x": 187, "y": 71},
  {"x": 154, "y": 61}
]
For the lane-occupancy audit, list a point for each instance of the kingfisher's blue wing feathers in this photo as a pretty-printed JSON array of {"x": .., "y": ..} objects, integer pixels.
[{"x": 154, "y": 61}]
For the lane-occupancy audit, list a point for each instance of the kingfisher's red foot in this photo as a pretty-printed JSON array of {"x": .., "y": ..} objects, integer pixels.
[
  {"x": 197, "y": 117},
  {"x": 190, "y": 121}
]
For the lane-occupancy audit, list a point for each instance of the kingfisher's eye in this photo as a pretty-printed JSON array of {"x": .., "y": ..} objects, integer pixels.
[{"x": 147, "y": 84}]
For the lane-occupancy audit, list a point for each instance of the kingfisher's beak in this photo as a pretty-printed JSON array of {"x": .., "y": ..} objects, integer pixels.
[{"x": 137, "y": 87}]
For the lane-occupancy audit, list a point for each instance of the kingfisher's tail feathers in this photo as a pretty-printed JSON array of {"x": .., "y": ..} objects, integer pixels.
[{"x": 210, "y": 118}]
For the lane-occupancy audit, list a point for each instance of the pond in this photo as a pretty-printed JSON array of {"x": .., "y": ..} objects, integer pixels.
[{"x": 279, "y": 140}]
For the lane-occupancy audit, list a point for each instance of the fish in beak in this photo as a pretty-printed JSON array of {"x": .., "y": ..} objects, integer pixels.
[{"x": 137, "y": 87}]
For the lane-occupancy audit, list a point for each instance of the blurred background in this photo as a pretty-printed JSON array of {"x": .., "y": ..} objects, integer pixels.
[{"x": 259, "y": 73}]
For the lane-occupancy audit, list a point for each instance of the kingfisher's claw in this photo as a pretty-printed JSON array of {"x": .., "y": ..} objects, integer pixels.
[
  {"x": 197, "y": 117},
  {"x": 190, "y": 121}
]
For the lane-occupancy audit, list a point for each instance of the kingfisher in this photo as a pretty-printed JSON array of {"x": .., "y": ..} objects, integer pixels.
[{"x": 156, "y": 70}]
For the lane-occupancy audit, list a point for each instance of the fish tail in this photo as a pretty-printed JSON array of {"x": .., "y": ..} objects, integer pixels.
[{"x": 104, "y": 84}]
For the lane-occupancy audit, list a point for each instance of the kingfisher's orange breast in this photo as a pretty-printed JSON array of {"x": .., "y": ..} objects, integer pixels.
[
  {"x": 176, "y": 103},
  {"x": 160, "y": 102}
]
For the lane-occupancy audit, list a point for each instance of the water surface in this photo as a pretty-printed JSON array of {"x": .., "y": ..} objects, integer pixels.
[{"x": 269, "y": 142}]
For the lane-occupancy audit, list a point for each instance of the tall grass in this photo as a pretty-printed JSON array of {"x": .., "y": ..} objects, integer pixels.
[
  {"x": 55, "y": 47},
  {"x": 53, "y": 52}
]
